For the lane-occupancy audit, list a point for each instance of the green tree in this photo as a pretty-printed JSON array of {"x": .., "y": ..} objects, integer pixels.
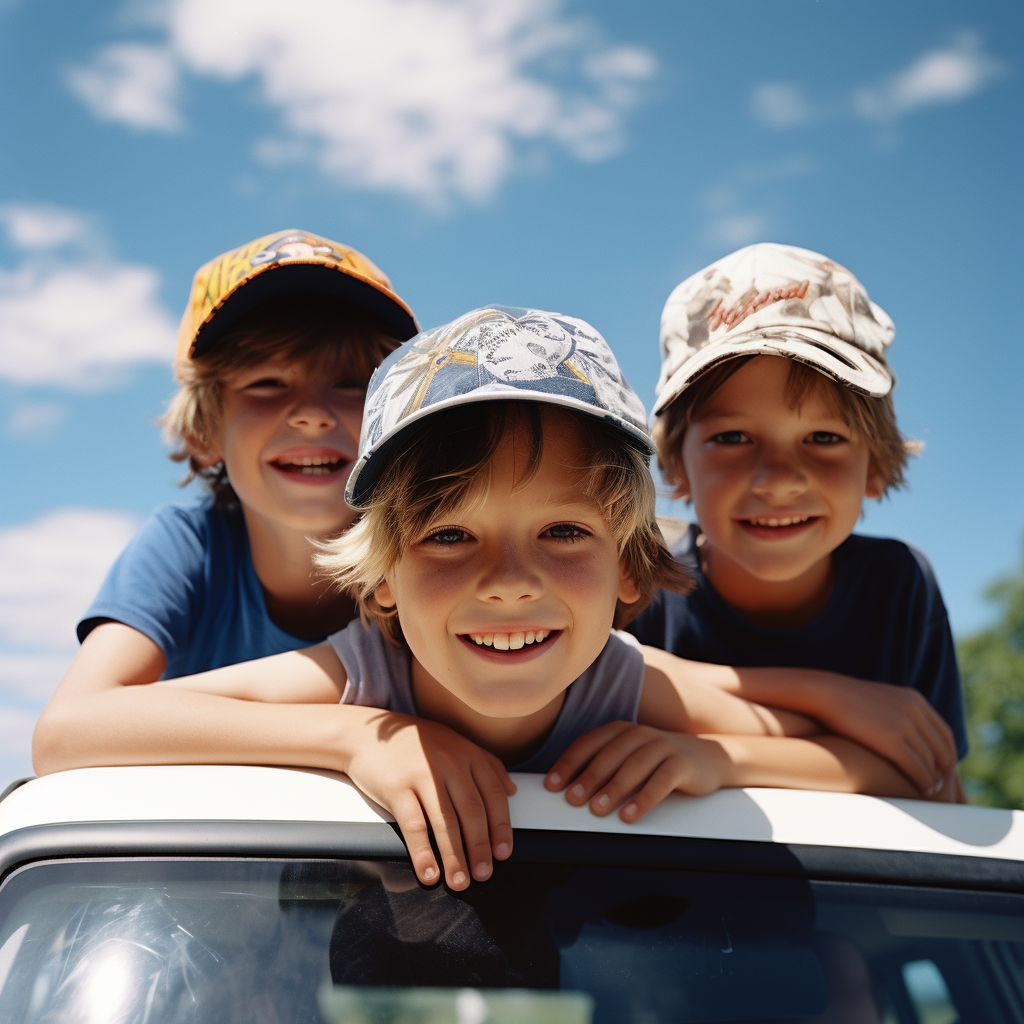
[{"x": 992, "y": 666}]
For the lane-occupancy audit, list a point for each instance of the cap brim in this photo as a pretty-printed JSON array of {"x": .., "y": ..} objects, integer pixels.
[
  {"x": 281, "y": 279},
  {"x": 368, "y": 468},
  {"x": 838, "y": 359}
]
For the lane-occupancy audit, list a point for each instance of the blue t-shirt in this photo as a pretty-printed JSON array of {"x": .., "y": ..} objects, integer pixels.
[
  {"x": 885, "y": 621},
  {"x": 186, "y": 580}
]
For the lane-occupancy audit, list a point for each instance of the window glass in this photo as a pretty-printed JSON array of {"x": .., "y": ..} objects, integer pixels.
[{"x": 361, "y": 942}]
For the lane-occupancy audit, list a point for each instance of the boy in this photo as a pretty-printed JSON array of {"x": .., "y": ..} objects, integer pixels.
[
  {"x": 508, "y": 523},
  {"x": 775, "y": 418},
  {"x": 275, "y": 349}
]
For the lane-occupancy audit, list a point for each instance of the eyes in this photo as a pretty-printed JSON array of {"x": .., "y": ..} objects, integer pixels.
[
  {"x": 452, "y": 536},
  {"x": 272, "y": 386},
  {"x": 817, "y": 437}
]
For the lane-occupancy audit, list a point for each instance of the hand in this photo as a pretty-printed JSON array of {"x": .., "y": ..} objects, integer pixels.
[
  {"x": 897, "y": 723},
  {"x": 422, "y": 772},
  {"x": 621, "y": 760}
]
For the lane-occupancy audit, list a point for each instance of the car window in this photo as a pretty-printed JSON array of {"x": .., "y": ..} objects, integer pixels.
[{"x": 168, "y": 941}]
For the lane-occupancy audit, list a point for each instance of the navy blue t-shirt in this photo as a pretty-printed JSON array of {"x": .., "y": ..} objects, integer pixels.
[
  {"x": 885, "y": 621},
  {"x": 186, "y": 580}
]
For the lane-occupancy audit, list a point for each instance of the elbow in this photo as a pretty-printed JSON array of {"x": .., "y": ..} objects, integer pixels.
[{"x": 50, "y": 742}]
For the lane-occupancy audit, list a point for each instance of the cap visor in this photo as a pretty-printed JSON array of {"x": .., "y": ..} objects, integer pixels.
[
  {"x": 838, "y": 359},
  {"x": 303, "y": 277},
  {"x": 368, "y": 468}
]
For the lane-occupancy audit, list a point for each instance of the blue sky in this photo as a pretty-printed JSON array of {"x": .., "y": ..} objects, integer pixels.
[{"x": 583, "y": 157}]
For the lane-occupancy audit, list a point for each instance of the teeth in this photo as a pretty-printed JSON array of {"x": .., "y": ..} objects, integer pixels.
[
  {"x": 784, "y": 521},
  {"x": 509, "y": 641}
]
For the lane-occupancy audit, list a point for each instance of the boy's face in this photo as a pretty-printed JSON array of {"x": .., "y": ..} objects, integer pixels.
[
  {"x": 288, "y": 436},
  {"x": 506, "y": 603},
  {"x": 775, "y": 489}
]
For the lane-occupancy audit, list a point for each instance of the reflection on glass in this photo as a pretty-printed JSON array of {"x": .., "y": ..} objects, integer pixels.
[
  {"x": 323, "y": 941},
  {"x": 927, "y": 989}
]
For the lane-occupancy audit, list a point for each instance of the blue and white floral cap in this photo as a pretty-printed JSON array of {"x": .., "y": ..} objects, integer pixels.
[{"x": 498, "y": 353}]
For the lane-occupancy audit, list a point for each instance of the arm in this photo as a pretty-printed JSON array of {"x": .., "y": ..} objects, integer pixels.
[
  {"x": 687, "y": 696},
  {"x": 609, "y": 764},
  {"x": 102, "y": 713},
  {"x": 895, "y": 722}
]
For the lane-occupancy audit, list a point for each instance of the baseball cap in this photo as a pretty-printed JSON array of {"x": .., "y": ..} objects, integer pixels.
[
  {"x": 492, "y": 354},
  {"x": 771, "y": 299},
  {"x": 287, "y": 261}
]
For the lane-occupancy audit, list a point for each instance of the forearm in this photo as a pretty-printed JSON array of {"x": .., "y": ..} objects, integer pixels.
[
  {"x": 825, "y": 762},
  {"x": 694, "y": 697},
  {"x": 163, "y": 725}
]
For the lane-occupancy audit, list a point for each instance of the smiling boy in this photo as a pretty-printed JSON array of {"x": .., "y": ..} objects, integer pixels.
[
  {"x": 775, "y": 418},
  {"x": 276, "y": 346}
]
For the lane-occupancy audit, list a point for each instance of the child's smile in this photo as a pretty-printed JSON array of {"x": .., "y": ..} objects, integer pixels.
[
  {"x": 776, "y": 489},
  {"x": 288, "y": 436},
  {"x": 510, "y": 600}
]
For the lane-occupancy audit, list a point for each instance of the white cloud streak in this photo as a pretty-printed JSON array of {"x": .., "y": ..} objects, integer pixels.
[
  {"x": 36, "y": 419},
  {"x": 431, "y": 98},
  {"x": 780, "y": 104},
  {"x": 950, "y": 74},
  {"x": 75, "y": 321},
  {"x": 132, "y": 84},
  {"x": 50, "y": 569}
]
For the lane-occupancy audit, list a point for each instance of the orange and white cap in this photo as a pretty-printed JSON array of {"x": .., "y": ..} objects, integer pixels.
[{"x": 286, "y": 261}]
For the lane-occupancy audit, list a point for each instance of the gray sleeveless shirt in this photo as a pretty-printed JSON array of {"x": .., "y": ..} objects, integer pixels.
[{"x": 379, "y": 676}]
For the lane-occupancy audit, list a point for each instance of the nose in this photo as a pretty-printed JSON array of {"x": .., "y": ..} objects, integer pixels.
[
  {"x": 312, "y": 412},
  {"x": 777, "y": 475},
  {"x": 509, "y": 577}
]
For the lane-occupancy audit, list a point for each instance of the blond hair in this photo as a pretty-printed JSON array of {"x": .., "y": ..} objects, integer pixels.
[
  {"x": 874, "y": 419},
  {"x": 300, "y": 326},
  {"x": 443, "y": 462}
]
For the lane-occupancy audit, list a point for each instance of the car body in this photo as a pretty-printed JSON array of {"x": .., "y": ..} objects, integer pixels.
[{"x": 161, "y": 895}]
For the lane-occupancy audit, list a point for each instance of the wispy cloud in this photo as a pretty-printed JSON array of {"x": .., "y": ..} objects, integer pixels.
[
  {"x": 50, "y": 569},
  {"x": 781, "y": 104},
  {"x": 132, "y": 84},
  {"x": 950, "y": 74},
  {"x": 36, "y": 419},
  {"x": 432, "y": 98},
  {"x": 70, "y": 316}
]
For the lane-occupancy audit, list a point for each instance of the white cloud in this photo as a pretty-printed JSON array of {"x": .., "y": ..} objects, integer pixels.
[
  {"x": 948, "y": 75},
  {"x": 780, "y": 104},
  {"x": 42, "y": 226},
  {"x": 738, "y": 229},
  {"x": 77, "y": 321},
  {"x": 131, "y": 83},
  {"x": 51, "y": 568},
  {"x": 939, "y": 76},
  {"x": 36, "y": 419},
  {"x": 431, "y": 98}
]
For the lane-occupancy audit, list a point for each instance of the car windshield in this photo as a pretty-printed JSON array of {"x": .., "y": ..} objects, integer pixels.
[{"x": 169, "y": 941}]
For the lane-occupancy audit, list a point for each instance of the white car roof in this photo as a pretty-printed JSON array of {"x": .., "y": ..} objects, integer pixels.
[{"x": 227, "y": 793}]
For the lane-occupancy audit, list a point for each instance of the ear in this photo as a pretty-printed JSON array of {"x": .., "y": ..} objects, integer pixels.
[
  {"x": 682, "y": 484},
  {"x": 204, "y": 452},
  {"x": 385, "y": 598},
  {"x": 628, "y": 593},
  {"x": 875, "y": 486}
]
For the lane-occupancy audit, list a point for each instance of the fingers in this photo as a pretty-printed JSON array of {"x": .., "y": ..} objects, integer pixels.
[
  {"x": 445, "y": 822},
  {"x": 495, "y": 798},
  {"x": 616, "y": 761},
  {"x": 409, "y": 816},
  {"x": 579, "y": 753}
]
